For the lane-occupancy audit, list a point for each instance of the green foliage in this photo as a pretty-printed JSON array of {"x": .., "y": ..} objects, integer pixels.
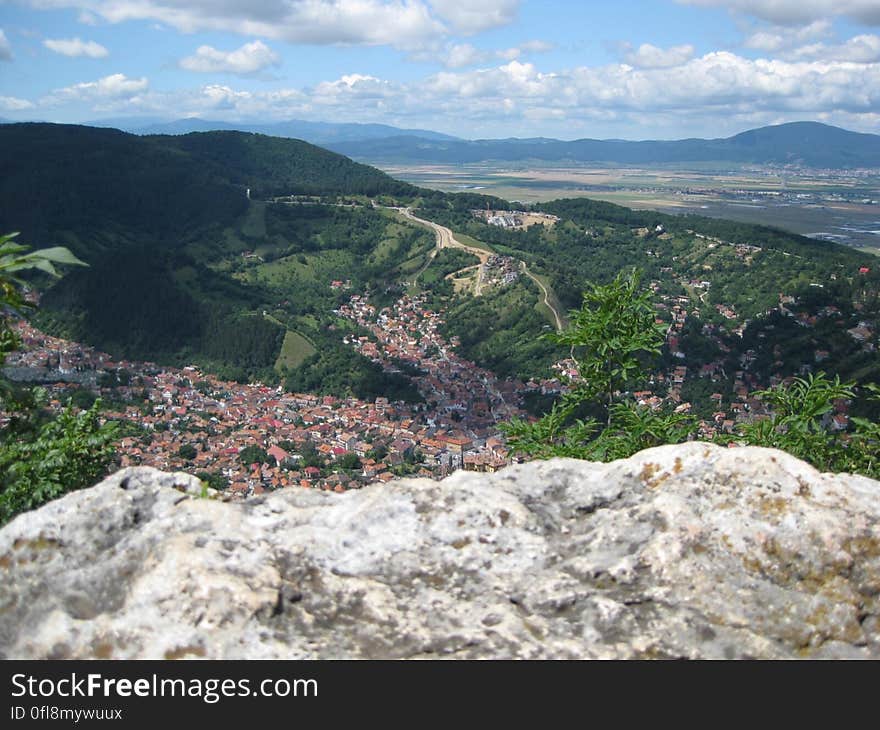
[
  {"x": 187, "y": 452},
  {"x": 501, "y": 331},
  {"x": 553, "y": 434},
  {"x": 70, "y": 452},
  {"x": 213, "y": 480},
  {"x": 254, "y": 455},
  {"x": 610, "y": 337},
  {"x": 799, "y": 426},
  {"x": 634, "y": 427},
  {"x": 164, "y": 220},
  {"x": 336, "y": 370},
  {"x": 15, "y": 258},
  {"x": 349, "y": 462},
  {"x": 42, "y": 459},
  {"x": 611, "y": 333}
]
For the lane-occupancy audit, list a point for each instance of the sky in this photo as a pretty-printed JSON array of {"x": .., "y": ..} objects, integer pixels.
[{"x": 642, "y": 69}]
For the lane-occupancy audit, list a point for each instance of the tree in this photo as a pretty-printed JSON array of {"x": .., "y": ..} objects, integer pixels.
[
  {"x": 349, "y": 462},
  {"x": 187, "y": 452},
  {"x": 610, "y": 338},
  {"x": 610, "y": 334},
  {"x": 254, "y": 455},
  {"x": 42, "y": 458}
]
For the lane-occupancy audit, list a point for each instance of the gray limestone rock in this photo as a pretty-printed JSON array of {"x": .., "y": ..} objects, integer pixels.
[{"x": 681, "y": 551}]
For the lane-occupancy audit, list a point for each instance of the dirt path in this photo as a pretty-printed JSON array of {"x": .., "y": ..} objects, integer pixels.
[{"x": 525, "y": 270}]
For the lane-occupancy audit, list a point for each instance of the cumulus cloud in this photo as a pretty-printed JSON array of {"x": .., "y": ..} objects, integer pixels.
[
  {"x": 468, "y": 16},
  {"x": 718, "y": 91},
  {"x": 861, "y": 49},
  {"x": 406, "y": 24},
  {"x": 799, "y": 12},
  {"x": 249, "y": 59},
  {"x": 776, "y": 38},
  {"x": 464, "y": 55},
  {"x": 649, "y": 56},
  {"x": 5, "y": 48},
  {"x": 13, "y": 104},
  {"x": 76, "y": 47},
  {"x": 215, "y": 96},
  {"x": 115, "y": 86}
]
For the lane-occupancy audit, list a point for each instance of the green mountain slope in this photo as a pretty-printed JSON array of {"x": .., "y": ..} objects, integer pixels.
[
  {"x": 173, "y": 240},
  {"x": 186, "y": 267}
]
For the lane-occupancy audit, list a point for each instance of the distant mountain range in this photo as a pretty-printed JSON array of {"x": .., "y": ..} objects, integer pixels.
[
  {"x": 320, "y": 133},
  {"x": 809, "y": 144}
]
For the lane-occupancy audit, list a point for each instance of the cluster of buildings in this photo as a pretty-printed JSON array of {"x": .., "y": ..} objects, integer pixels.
[
  {"x": 259, "y": 438},
  {"x": 457, "y": 390},
  {"x": 500, "y": 270},
  {"x": 514, "y": 218}
]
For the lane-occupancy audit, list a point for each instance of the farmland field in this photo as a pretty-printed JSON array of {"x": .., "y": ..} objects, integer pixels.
[{"x": 842, "y": 206}]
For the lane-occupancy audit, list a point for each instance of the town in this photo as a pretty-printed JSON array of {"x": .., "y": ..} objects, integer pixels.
[{"x": 245, "y": 439}]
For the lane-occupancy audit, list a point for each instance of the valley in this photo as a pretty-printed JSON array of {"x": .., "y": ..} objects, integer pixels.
[{"x": 325, "y": 325}]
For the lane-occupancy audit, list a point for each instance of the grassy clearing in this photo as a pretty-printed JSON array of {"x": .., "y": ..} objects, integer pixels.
[
  {"x": 470, "y": 241},
  {"x": 294, "y": 351}
]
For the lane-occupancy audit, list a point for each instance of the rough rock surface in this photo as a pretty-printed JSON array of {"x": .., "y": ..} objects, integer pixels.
[{"x": 681, "y": 551}]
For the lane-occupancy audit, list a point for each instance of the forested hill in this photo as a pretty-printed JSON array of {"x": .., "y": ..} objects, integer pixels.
[
  {"x": 805, "y": 143},
  {"x": 169, "y": 233},
  {"x": 65, "y": 178}
]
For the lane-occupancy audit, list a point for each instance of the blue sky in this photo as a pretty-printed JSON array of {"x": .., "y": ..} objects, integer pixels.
[{"x": 649, "y": 69}]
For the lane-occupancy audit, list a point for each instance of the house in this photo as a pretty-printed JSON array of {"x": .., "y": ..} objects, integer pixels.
[{"x": 279, "y": 454}]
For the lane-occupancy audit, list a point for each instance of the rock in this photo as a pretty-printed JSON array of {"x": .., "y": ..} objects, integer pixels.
[{"x": 681, "y": 551}]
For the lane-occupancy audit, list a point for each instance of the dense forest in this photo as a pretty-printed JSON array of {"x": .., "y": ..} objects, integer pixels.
[{"x": 184, "y": 257}]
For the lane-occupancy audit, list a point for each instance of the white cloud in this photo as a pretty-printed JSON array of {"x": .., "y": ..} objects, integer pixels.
[
  {"x": 76, "y": 47},
  {"x": 248, "y": 59},
  {"x": 5, "y": 48},
  {"x": 215, "y": 96},
  {"x": 474, "y": 16},
  {"x": 799, "y": 12},
  {"x": 719, "y": 91},
  {"x": 464, "y": 55},
  {"x": 536, "y": 46},
  {"x": 86, "y": 18},
  {"x": 776, "y": 38},
  {"x": 407, "y": 24},
  {"x": 648, "y": 56},
  {"x": 12, "y": 104},
  {"x": 115, "y": 86},
  {"x": 861, "y": 49}
]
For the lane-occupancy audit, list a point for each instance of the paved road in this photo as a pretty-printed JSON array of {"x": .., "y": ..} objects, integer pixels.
[{"x": 446, "y": 239}]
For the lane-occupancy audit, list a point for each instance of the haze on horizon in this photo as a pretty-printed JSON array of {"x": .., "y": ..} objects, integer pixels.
[{"x": 652, "y": 69}]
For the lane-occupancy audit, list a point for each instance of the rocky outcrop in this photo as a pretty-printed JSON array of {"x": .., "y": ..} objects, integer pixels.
[{"x": 681, "y": 551}]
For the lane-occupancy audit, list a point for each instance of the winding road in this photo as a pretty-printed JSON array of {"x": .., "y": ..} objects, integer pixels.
[
  {"x": 446, "y": 239},
  {"x": 525, "y": 270}
]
